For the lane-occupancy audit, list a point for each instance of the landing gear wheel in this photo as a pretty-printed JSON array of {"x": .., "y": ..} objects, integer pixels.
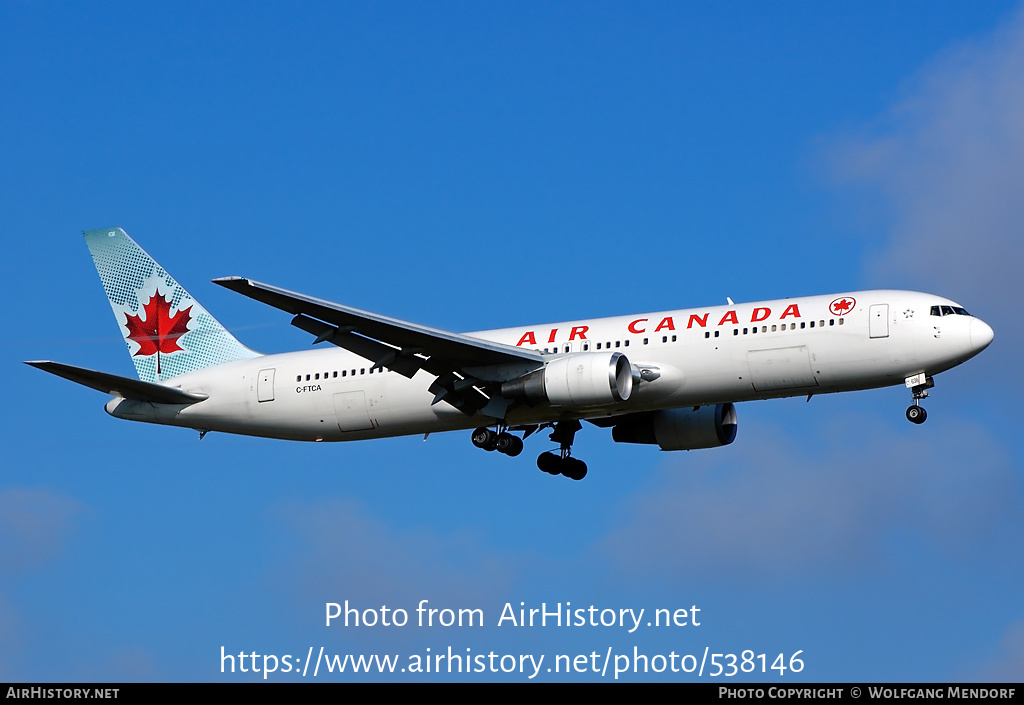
[
  {"x": 510, "y": 445},
  {"x": 574, "y": 469},
  {"x": 916, "y": 414},
  {"x": 549, "y": 463},
  {"x": 485, "y": 438},
  {"x": 561, "y": 463}
]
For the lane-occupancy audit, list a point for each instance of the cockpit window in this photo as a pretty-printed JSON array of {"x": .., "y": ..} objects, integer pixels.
[{"x": 948, "y": 311}]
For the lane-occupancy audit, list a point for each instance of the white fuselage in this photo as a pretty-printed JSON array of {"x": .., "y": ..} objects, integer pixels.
[{"x": 763, "y": 350}]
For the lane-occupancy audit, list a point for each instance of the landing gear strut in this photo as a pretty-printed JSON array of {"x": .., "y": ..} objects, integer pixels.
[
  {"x": 919, "y": 385},
  {"x": 563, "y": 463}
]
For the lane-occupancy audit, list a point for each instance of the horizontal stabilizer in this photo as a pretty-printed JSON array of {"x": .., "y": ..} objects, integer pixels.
[{"x": 119, "y": 386}]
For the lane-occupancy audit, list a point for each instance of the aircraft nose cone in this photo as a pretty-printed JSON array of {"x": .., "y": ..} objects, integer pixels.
[{"x": 981, "y": 335}]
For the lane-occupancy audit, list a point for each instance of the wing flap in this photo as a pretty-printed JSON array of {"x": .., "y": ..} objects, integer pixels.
[{"x": 397, "y": 359}]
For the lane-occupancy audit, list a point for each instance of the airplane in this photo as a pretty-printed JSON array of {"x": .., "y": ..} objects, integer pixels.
[{"x": 670, "y": 378}]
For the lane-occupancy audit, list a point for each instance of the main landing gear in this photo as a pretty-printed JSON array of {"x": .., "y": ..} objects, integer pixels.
[
  {"x": 563, "y": 463},
  {"x": 560, "y": 463},
  {"x": 919, "y": 385},
  {"x": 501, "y": 441}
]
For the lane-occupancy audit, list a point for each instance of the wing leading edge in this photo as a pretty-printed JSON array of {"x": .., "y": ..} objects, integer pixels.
[{"x": 462, "y": 364}]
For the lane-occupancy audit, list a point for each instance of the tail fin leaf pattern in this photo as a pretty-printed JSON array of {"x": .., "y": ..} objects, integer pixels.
[{"x": 167, "y": 332}]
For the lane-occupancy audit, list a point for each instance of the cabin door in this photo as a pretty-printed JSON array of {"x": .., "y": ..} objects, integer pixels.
[
  {"x": 878, "y": 321},
  {"x": 265, "y": 386}
]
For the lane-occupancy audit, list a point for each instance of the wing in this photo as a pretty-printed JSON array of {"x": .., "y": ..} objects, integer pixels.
[{"x": 464, "y": 366}]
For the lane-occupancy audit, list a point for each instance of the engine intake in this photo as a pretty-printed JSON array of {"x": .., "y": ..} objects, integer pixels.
[
  {"x": 580, "y": 380},
  {"x": 681, "y": 429}
]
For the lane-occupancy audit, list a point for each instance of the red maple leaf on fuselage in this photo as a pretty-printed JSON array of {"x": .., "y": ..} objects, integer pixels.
[
  {"x": 842, "y": 305},
  {"x": 160, "y": 331}
]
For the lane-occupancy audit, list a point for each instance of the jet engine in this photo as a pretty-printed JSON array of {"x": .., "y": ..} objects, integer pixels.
[
  {"x": 681, "y": 429},
  {"x": 580, "y": 380}
]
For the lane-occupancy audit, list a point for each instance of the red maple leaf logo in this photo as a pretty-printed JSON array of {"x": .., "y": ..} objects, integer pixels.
[
  {"x": 841, "y": 306},
  {"x": 160, "y": 331}
]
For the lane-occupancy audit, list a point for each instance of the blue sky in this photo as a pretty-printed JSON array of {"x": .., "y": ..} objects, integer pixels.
[{"x": 473, "y": 166}]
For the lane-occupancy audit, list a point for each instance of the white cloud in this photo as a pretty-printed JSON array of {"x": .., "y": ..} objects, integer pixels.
[
  {"x": 346, "y": 553},
  {"x": 1007, "y": 665},
  {"x": 34, "y": 525},
  {"x": 34, "y": 528},
  {"x": 775, "y": 509},
  {"x": 948, "y": 163}
]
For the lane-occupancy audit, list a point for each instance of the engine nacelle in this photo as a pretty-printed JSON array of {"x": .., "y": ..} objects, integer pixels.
[
  {"x": 581, "y": 380},
  {"x": 681, "y": 429}
]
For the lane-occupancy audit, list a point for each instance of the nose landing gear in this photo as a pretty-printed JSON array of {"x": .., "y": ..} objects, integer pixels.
[{"x": 919, "y": 385}]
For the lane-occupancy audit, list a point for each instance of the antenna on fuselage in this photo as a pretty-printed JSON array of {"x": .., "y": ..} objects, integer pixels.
[{"x": 730, "y": 301}]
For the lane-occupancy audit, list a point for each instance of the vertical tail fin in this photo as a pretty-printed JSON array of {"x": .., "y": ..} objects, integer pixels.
[{"x": 167, "y": 332}]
